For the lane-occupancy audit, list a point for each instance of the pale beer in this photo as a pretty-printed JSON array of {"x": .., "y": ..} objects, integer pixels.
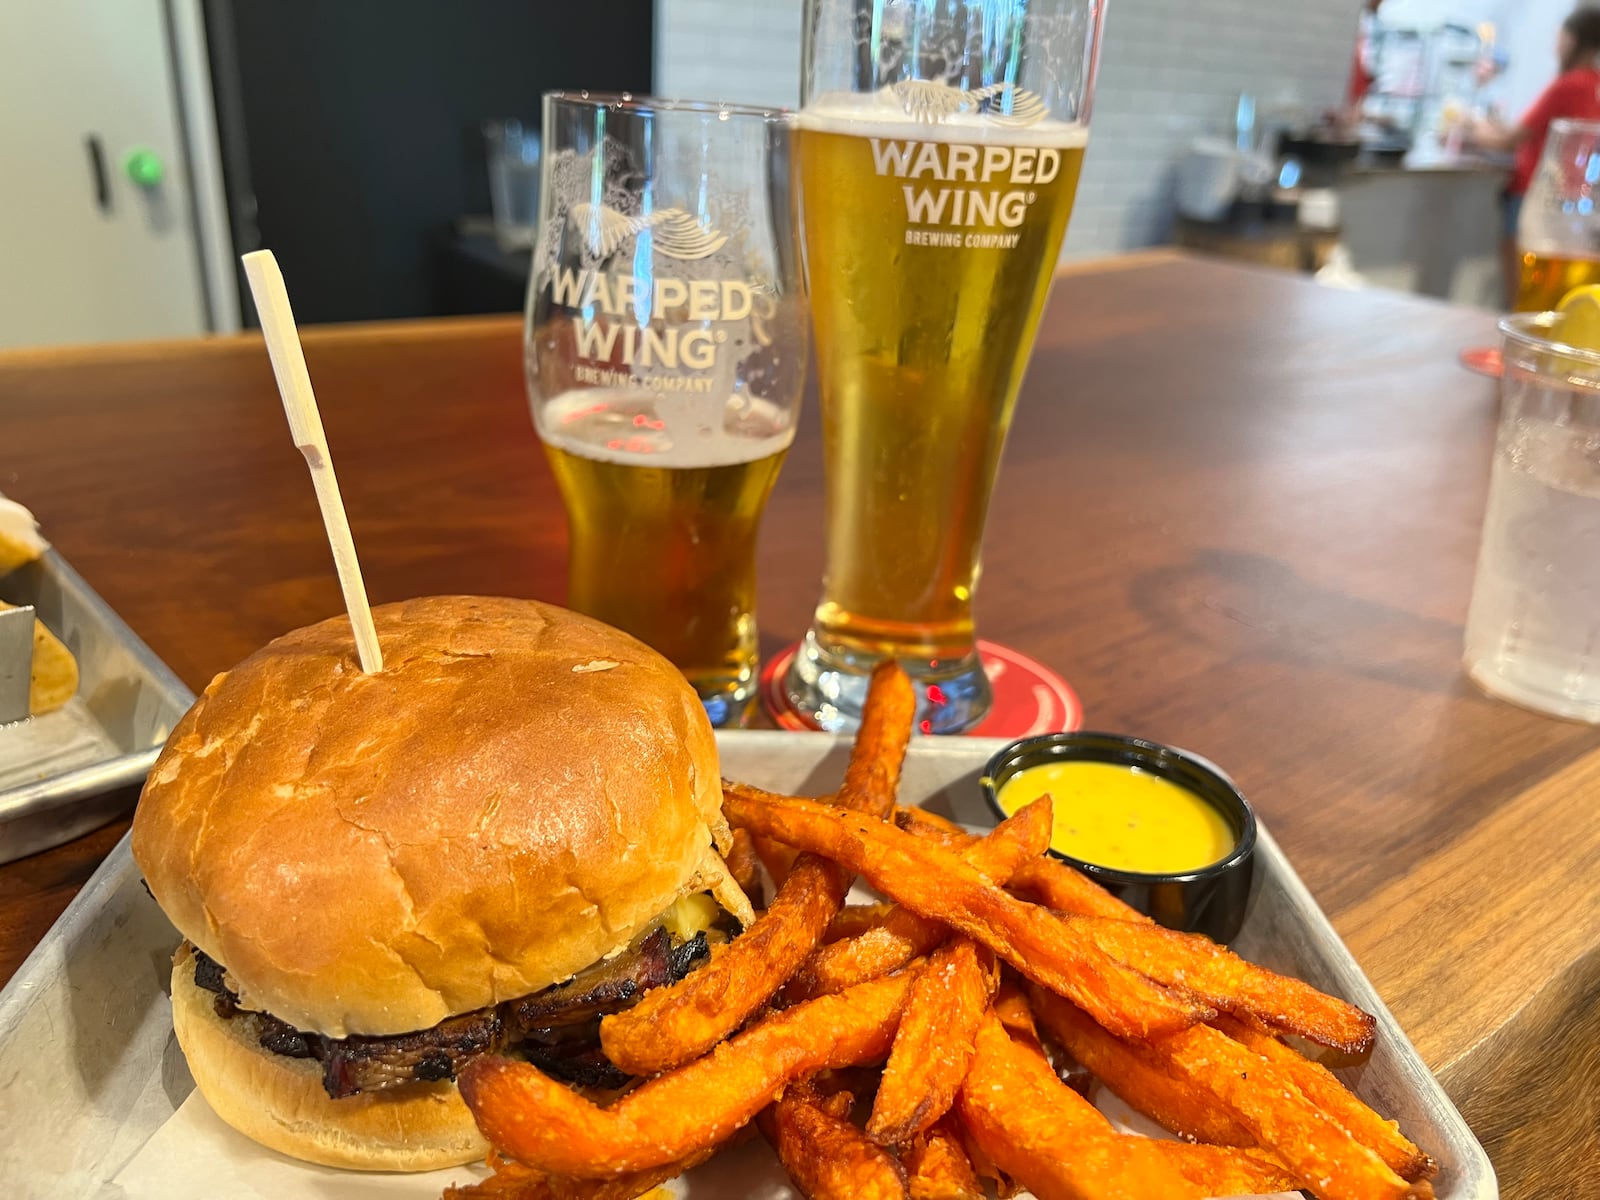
[
  {"x": 663, "y": 525},
  {"x": 930, "y": 248},
  {"x": 1548, "y": 276},
  {"x": 937, "y": 155},
  {"x": 1558, "y": 227}
]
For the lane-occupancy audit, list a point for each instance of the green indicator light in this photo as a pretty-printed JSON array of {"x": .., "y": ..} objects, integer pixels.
[{"x": 144, "y": 167}]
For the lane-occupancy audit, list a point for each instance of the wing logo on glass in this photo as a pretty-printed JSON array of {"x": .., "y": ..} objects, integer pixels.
[
  {"x": 669, "y": 292},
  {"x": 931, "y": 103},
  {"x": 673, "y": 231}
]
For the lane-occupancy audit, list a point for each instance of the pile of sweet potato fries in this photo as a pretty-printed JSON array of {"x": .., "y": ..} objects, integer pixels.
[{"x": 949, "y": 1015}]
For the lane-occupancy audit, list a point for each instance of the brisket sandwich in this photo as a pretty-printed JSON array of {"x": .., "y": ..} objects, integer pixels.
[{"x": 507, "y": 834}]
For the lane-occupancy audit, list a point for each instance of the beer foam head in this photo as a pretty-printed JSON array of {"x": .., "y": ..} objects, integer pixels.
[
  {"x": 640, "y": 428},
  {"x": 941, "y": 114}
]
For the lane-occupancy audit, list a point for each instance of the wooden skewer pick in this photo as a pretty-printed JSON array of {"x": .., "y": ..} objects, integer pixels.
[{"x": 305, "y": 424}]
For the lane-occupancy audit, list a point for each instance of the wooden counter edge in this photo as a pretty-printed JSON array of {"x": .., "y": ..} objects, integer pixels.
[
  {"x": 1131, "y": 260},
  {"x": 417, "y": 329},
  {"x": 413, "y": 329}
]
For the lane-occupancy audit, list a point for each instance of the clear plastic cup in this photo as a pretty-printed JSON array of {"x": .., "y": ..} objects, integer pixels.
[{"x": 1533, "y": 628}]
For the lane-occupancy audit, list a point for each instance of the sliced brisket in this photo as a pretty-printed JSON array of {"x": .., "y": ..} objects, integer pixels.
[{"x": 557, "y": 1029}]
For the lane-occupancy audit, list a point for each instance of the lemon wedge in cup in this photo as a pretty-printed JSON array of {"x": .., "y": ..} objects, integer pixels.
[{"x": 1580, "y": 317}]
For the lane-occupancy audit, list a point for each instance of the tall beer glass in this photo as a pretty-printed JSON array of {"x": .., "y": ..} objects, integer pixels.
[
  {"x": 666, "y": 354},
  {"x": 938, "y": 156},
  {"x": 1558, "y": 230}
]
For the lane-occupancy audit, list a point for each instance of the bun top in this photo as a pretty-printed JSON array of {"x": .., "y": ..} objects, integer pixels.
[{"x": 519, "y": 793}]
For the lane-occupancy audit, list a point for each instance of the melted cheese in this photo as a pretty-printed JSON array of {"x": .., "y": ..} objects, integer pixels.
[{"x": 690, "y": 915}]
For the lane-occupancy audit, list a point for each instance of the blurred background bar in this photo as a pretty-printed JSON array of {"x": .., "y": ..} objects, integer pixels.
[
  {"x": 348, "y": 137},
  {"x": 151, "y": 142}
]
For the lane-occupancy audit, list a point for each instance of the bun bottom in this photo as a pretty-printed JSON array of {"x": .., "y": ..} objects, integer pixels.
[{"x": 280, "y": 1103}]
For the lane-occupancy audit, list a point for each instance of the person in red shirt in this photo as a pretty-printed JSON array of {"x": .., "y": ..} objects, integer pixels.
[
  {"x": 1361, "y": 67},
  {"x": 1575, "y": 94}
]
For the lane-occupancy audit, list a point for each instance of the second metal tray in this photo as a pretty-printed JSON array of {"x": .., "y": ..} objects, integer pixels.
[{"x": 70, "y": 771}]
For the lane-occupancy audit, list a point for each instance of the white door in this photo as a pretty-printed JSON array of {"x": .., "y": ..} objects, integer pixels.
[{"x": 98, "y": 222}]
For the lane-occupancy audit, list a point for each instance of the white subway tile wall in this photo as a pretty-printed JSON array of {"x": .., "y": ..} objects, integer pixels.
[
  {"x": 745, "y": 51},
  {"x": 1170, "y": 71}
]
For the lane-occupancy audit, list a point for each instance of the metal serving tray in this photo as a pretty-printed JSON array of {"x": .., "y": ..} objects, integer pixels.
[
  {"x": 89, "y": 1069},
  {"x": 69, "y": 771}
]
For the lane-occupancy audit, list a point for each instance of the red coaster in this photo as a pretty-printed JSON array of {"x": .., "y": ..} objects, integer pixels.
[
  {"x": 1482, "y": 360},
  {"x": 1029, "y": 697}
]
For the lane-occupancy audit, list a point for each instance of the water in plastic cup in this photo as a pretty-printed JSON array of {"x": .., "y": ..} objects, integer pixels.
[{"x": 1533, "y": 628}]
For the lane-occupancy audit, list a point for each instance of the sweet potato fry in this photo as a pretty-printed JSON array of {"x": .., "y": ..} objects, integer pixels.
[
  {"x": 873, "y": 775},
  {"x": 937, "y": 1166},
  {"x": 1263, "y": 1098},
  {"x": 1003, "y": 1185},
  {"x": 675, "y": 1024},
  {"x": 932, "y": 826},
  {"x": 778, "y": 859},
  {"x": 513, "y": 1181},
  {"x": 1049, "y": 881},
  {"x": 1322, "y": 1088},
  {"x": 1223, "y": 1170},
  {"x": 547, "y": 1125},
  {"x": 1049, "y": 1138},
  {"x": 937, "y": 883},
  {"x": 836, "y": 1104},
  {"x": 1054, "y": 884},
  {"x": 744, "y": 865},
  {"x": 1211, "y": 972},
  {"x": 1173, "y": 1103},
  {"x": 903, "y": 935},
  {"x": 855, "y": 919},
  {"x": 825, "y": 1155},
  {"x": 1016, "y": 1014},
  {"x": 1189, "y": 1099},
  {"x": 1059, "y": 1146},
  {"x": 997, "y": 855},
  {"x": 934, "y": 1043},
  {"x": 1224, "y": 980}
]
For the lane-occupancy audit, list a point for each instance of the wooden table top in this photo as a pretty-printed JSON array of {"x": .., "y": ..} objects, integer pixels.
[{"x": 1238, "y": 511}]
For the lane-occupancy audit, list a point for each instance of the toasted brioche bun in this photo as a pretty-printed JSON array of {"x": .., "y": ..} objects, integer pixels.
[
  {"x": 280, "y": 1103},
  {"x": 515, "y": 796}
]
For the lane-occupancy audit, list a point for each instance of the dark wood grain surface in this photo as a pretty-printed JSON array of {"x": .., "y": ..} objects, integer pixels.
[{"x": 1238, "y": 511}]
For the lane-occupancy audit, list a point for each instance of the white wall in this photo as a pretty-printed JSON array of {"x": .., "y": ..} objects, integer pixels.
[
  {"x": 1430, "y": 14},
  {"x": 1527, "y": 34},
  {"x": 746, "y": 51},
  {"x": 1170, "y": 70}
]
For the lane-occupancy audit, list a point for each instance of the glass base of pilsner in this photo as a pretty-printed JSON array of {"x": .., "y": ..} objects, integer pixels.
[
  {"x": 728, "y": 700},
  {"x": 827, "y": 686}
]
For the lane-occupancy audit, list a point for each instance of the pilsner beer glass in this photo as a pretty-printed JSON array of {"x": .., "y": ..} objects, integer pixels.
[
  {"x": 937, "y": 158},
  {"x": 666, "y": 353},
  {"x": 1558, "y": 231}
]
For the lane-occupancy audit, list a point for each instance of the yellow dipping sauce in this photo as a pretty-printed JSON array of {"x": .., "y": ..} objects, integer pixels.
[{"x": 1123, "y": 818}]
